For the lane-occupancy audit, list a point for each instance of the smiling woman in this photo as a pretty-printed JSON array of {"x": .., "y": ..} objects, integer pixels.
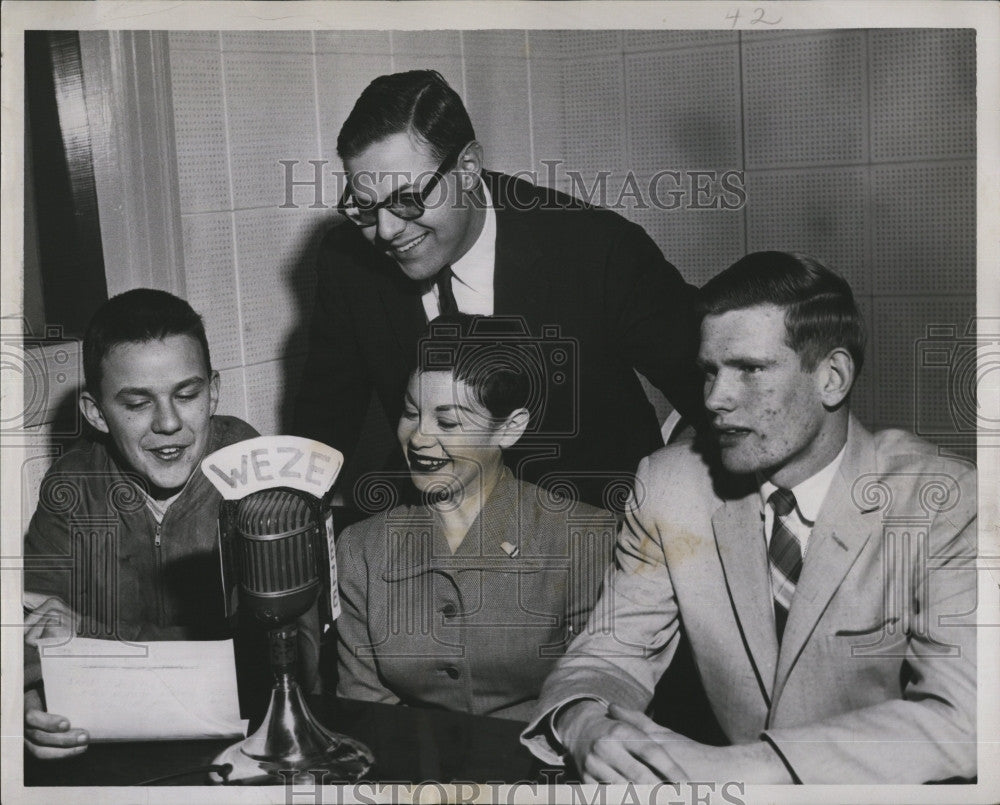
[{"x": 466, "y": 600}]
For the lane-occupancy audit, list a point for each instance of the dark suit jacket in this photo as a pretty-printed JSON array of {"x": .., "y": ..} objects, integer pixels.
[
  {"x": 598, "y": 278},
  {"x": 875, "y": 678}
]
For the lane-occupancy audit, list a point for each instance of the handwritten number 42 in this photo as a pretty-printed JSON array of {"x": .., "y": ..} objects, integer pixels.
[{"x": 759, "y": 17}]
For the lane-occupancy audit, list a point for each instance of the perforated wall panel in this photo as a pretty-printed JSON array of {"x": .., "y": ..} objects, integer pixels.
[
  {"x": 340, "y": 80},
  {"x": 497, "y": 100},
  {"x": 819, "y": 212},
  {"x": 194, "y": 40},
  {"x": 232, "y": 394},
  {"x": 690, "y": 121},
  {"x": 426, "y": 43},
  {"x": 548, "y": 121},
  {"x": 200, "y": 130},
  {"x": 906, "y": 396},
  {"x": 271, "y": 107},
  {"x": 277, "y": 270},
  {"x": 489, "y": 45},
  {"x": 578, "y": 45},
  {"x": 636, "y": 41},
  {"x": 923, "y": 94},
  {"x": 594, "y": 114},
  {"x": 581, "y": 43},
  {"x": 924, "y": 228},
  {"x": 805, "y": 99},
  {"x": 353, "y": 42},
  {"x": 265, "y": 384},
  {"x": 549, "y": 44},
  {"x": 267, "y": 41},
  {"x": 210, "y": 279},
  {"x": 700, "y": 243}
]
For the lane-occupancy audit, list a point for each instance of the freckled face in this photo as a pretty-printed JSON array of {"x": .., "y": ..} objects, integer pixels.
[
  {"x": 448, "y": 227},
  {"x": 766, "y": 410},
  {"x": 156, "y": 401}
]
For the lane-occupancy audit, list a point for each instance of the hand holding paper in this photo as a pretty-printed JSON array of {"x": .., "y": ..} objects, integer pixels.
[
  {"x": 143, "y": 692},
  {"x": 47, "y": 616}
]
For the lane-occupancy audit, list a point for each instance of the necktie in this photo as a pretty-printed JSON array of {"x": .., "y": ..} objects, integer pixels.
[
  {"x": 446, "y": 297},
  {"x": 785, "y": 556}
]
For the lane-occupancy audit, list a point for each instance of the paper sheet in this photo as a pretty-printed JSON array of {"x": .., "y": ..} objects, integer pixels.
[{"x": 167, "y": 690}]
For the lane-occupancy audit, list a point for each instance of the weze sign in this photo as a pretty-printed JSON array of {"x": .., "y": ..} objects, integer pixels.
[{"x": 271, "y": 461}]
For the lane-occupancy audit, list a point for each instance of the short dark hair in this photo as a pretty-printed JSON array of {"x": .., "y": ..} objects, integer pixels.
[
  {"x": 137, "y": 316},
  {"x": 821, "y": 313},
  {"x": 419, "y": 102},
  {"x": 498, "y": 367}
]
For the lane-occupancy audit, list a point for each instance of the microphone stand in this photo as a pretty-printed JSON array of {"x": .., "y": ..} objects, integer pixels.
[{"x": 290, "y": 745}]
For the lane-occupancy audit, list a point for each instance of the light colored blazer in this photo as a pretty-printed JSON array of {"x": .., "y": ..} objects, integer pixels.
[
  {"x": 875, "y": 680},
  {"x": 478, "y": 630}
]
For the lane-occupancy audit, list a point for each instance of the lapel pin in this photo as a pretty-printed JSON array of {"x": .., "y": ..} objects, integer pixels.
[{"x": 511, "y": 550}]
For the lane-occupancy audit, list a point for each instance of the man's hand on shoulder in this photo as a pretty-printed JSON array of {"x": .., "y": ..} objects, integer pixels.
[{"x": 48, "y": 736}]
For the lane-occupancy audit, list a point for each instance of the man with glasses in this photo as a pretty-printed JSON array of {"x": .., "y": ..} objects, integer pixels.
[{"x": 428, "y": 231}]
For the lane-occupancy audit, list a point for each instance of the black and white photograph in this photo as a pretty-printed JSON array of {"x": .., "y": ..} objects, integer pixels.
[{"x": 534, "y": 402}]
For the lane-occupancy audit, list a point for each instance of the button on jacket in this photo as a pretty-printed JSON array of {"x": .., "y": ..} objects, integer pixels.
[{"x": 477, "y": 630}]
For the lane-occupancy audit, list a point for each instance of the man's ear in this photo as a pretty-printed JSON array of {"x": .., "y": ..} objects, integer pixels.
[
  {"x": 91, "y": 411},
  {"x": 470, "y": 163},
  {"x": 214, "y": 384},
  {"x": 514, "y": 426},
  {"x": 836, "y": 377}
]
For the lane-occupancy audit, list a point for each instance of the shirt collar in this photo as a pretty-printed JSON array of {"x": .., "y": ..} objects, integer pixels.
[
  {"x": 810, "y": 494},
  {"x": 474, "y": 269}
]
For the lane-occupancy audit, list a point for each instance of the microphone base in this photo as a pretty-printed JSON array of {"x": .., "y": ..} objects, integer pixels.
[{"x": 292, "y": 747}]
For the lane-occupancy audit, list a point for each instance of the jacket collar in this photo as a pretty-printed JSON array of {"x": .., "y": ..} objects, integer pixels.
[
  {"x": 520, "y": 285},
  {"x": 837, "y": 538},
  {"x": 843, "y": 527},
  {"x": 494, "y": 540}
]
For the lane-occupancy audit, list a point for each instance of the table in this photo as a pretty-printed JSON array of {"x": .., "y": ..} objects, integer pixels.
[{"x": 411, "y": 745}]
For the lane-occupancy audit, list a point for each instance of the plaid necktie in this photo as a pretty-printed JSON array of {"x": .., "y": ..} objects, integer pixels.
[
  {"x": 785, "y": 556},
  {"x": 446, "y": 297}
]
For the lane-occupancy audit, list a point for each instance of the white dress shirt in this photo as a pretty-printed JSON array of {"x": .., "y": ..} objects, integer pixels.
[
  {"x": 472, "y": 274},
  {"x": 809, "y": 496}
]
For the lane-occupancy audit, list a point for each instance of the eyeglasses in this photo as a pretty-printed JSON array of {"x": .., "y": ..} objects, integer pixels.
[{"x": 406, "y": 204}]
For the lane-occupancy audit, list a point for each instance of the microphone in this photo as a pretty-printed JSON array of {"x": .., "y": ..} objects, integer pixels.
[
  {"x": 276, "y": 553},
  {"x": 277, "y": 546}
]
